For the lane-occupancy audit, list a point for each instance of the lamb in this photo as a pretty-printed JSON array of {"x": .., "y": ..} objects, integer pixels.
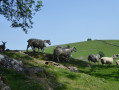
[
  {"x": 37, "y": 43},
  {"x": 117, "y": 62},
  {"x": 93, "y": 58},
  {"x": 107, "y": 60},
  {"x": 66, "y": 52},
  {"x": 2, "y": 47}
]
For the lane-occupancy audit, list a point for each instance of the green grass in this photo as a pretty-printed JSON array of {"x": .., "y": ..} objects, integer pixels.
[{"x": 97, "y": 77}]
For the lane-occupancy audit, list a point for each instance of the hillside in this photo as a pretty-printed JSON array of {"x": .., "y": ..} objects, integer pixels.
[{"x": 95, "y": 77}]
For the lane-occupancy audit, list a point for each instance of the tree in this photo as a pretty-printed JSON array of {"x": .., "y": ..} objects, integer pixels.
[
  {"x": 89, "y": 39},
  {"x": 101, "y": 54},
  {"x": 20, "y": 12}
]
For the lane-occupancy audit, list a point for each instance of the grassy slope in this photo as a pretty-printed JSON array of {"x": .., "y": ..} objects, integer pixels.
[
  {"x": 97, "y": 77},
  {"x": 109, "y": 73}
]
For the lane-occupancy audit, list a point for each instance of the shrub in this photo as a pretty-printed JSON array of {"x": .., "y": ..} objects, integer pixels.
[
  {"x": 89, "y": 39},
  {"x": 101, "y": 54}
]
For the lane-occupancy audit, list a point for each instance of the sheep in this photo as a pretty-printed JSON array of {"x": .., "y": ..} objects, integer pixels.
[
  {"x": 37, "y": 43},
  {"x": 117, "y": 62},
  {"x": 94, "y": 58},
  {"x": 63, "y": 47},
  {"x": 66, "y": 52},
  {"x": 2, "y": 47},
  {"x": 107, "y": 60}
]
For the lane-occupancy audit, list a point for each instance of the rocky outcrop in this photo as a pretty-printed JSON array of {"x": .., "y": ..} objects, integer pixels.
[
  {"x": 71, "y": 68},
  {"x": 11, "y": 63}
]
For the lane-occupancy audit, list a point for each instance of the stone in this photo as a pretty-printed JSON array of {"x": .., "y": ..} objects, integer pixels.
[{"x": 11, "y": 63}]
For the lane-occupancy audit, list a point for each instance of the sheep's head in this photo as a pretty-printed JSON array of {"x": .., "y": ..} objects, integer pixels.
[
  {"x": 4, "y": 43},
  {"x": 114, "y": 56},
  {"x": 74, "y": 49},
  {"x": 48, "y": 41}
]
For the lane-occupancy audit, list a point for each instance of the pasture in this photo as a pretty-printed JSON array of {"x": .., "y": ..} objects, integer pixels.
[{"x": 88, "y": 77}]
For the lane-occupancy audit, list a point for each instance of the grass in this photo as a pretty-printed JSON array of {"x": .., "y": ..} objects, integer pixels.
[{"x": 95, "y": 77}]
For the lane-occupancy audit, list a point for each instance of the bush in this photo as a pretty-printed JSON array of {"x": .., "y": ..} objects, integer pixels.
[
  {"x": 101, "y": 54},
  {"x": 89, "y": 39}
]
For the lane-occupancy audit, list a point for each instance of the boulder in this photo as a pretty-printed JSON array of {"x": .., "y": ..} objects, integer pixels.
[{"x": 11, "y": 63}]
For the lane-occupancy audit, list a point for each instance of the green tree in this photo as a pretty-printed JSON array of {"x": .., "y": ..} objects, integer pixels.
[
  {"x": 20, "y": 12},
  {"x": 101, "y": 54},
  {"x": 89, "y": 39}
]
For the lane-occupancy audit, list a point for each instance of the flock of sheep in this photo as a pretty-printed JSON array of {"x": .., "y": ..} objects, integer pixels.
[
  {"x": 63, "y": 51},
  {"x": 104, "y": 60}
]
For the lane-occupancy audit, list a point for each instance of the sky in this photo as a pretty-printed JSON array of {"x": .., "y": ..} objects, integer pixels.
[{"x": 66, "y": 21}]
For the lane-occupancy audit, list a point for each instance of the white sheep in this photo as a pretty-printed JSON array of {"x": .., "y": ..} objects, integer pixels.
[
  {"x": 107, "y": 60},
  {"x": 117, "y": 62}
]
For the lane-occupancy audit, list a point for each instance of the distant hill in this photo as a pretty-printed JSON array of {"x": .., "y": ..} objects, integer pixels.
[{"x": 109, "y": 47}]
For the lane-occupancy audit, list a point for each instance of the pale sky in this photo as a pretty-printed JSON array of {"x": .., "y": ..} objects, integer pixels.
[{"x": 66, "y": 21}]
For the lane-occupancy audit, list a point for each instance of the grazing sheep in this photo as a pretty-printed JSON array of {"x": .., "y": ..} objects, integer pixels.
[
  {"x": 63, "y": 47},
  {"x": 2, "y": 47},
  {"x": 117, "y": 62},
  {"x": 37, "y": 43},
  {"x": 66, "y": 52},
  {"x": 107, "y": 60},
  {"x": 93, "y": 58}
]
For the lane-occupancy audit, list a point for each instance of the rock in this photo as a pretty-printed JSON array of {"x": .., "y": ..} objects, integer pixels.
[
  {"x": 61, "y": 66},
  {"x": 11, "y": 63},
  {"x": 73, "y": 69},
  {"x": 1, "y": 57},
  {"x": 51, "y": 63}
]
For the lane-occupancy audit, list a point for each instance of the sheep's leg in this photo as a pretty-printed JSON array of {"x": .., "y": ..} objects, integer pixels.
[
  {"x": 58, "y": 59},
  {"x": 33, "y": 49},
  {"x": 43, "y": 50},
  {"x": 38, "y": 50},
  {"x": 67, "y": 59},
  {"x": 27, "y": 47}
]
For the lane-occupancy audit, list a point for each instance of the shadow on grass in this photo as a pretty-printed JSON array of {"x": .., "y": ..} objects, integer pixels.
[
  {"x": 101, "y": 71},
  {"x": 21, "y": 81},
  {"x": 40, "y": 56},
  {"x": 44, "y": 79}
]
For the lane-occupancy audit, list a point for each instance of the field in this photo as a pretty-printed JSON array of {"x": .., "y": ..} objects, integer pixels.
[{"x": 95, "y": 77}]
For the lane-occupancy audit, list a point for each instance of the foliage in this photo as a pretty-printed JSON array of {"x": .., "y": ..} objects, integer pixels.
[
  {"x": 101, "y": 54},
  {"x": 89, "y": 39},
  {"x": 20, "y": 12}
]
